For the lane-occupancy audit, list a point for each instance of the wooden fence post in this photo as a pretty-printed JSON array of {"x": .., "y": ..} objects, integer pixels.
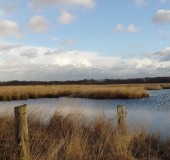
[
  {"x": 121, "y": 114},
  {"x": 21, "y": 132}
]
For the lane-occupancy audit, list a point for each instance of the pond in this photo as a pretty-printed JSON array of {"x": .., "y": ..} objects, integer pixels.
[{"x": 152, "y": 112}]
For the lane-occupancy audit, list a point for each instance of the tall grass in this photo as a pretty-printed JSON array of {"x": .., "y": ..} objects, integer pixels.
[
  {"x": 122, "y": 91},
  {"x": 67, "y": 138},
  {"x": 8, "y": 93}
]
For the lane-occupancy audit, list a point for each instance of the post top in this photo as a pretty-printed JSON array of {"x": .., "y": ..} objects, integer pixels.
[
  {"x": 121, "y": 109},
  {"x": 21, "y": 106},
  {"x": 120, "y": 106}
]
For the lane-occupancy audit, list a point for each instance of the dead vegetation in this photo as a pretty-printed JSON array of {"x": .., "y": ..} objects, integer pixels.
[
  {"x": 68, "y": 138},
  {"x": 8, "y": 93},
  {"x": 122, "y": 91}
]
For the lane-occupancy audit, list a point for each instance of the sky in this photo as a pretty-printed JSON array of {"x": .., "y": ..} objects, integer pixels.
[{"x": 58, "y": 40}]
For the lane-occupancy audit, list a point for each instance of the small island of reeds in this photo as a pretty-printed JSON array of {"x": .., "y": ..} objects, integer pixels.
[
  {"x": 122, "y": 91},
  {"x": 8, "y": 93}
]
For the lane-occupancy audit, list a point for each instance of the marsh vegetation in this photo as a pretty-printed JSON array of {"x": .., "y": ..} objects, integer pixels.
[
  {"x": 67, "y": 137},
  {"x": 8, "y": 93}
]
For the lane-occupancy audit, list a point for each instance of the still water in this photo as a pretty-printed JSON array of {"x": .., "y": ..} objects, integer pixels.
[{"x": 152, "y": 113}]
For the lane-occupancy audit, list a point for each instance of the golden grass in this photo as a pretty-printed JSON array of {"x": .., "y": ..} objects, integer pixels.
[
  {"x": 151, "y": 86},
  {"x": 122, "y": 91},
  {"x": 8, "y": 93},
  {"x": 66, "y": 138}
]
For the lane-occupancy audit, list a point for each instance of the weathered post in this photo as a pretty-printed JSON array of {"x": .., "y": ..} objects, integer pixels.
[
  {"x": 121, "y": 115},
  {"x": 21, "y": 133}
]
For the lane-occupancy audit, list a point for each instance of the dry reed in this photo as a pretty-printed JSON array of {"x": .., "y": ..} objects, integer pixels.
[
  {"x": 68, "y": 138},
  {"x": 8, "y": 93}
]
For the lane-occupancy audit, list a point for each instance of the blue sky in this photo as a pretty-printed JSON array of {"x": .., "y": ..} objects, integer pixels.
[{"x": 78, "y": 39}]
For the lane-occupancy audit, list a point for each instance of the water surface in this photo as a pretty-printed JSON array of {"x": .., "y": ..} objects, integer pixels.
[{"x": 152, "y": 112}]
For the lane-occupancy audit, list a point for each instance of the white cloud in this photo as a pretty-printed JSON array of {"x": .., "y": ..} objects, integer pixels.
[
  {"x": 53, "y": 52},
  {"x": 163, "y": 55},
  {"x": 119, "y": 28},
  {"x": 42, "y": 3},
  {"x": 1, "y": 62},
  {"x": 9, "y": 28},
  {"x": 132, "y": 28},
  {"x": 161, "y": 17},
  {"x": 30, "y": 53},
  {"x": 66, "y": 18},
  {"x": 7, "y": 47},
  {"x": 7, "y": 9},
  {"x": 38, "y": 24},
  {"x": 71, "y": 41},
  {"x": 140, "y": 2},
  {"x": 10, "y": 64},
  {"x": 38, "y": 63},
  {"x": 149, "y": 54}
]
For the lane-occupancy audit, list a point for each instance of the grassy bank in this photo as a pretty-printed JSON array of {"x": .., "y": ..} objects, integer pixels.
[
  {"x": 8, "y": 93},
  {"x": 66, "y": 138}
]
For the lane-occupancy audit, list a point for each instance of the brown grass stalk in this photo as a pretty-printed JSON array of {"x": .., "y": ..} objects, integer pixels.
[{"x": 68, "y": 138}]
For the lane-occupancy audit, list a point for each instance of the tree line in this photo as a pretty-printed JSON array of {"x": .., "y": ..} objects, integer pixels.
[{"x": 90, "y": 81}]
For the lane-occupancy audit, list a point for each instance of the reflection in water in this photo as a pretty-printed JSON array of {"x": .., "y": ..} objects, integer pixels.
[{"x": 152, "y": 112}]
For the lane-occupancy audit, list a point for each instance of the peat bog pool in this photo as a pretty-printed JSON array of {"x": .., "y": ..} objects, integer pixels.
[{"x": 152, "y": 112}]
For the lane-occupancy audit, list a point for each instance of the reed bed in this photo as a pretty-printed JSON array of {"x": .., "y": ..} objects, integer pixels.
[
  {"x": 151, "y": 86},
  {"x": 67, "y": 138},
  {"x": 8, "y": 93},
  {"x": 156, "y": 86},
  {"x": 122, "y": 91}
]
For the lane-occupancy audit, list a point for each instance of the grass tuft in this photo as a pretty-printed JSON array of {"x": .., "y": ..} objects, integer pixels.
[{"x": 68, "y": 138}]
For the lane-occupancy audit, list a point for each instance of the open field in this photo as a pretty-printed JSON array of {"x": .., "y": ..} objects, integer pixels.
[
  {"x": 69, "y": 138},
  {"x": 122, "y": 91}
]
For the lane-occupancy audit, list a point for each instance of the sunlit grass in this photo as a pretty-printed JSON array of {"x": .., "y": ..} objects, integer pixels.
[
  {"x": 122, "y": 91},
  {"x": 8, "y": 93},
  {"x": 68, "y": 138}
]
